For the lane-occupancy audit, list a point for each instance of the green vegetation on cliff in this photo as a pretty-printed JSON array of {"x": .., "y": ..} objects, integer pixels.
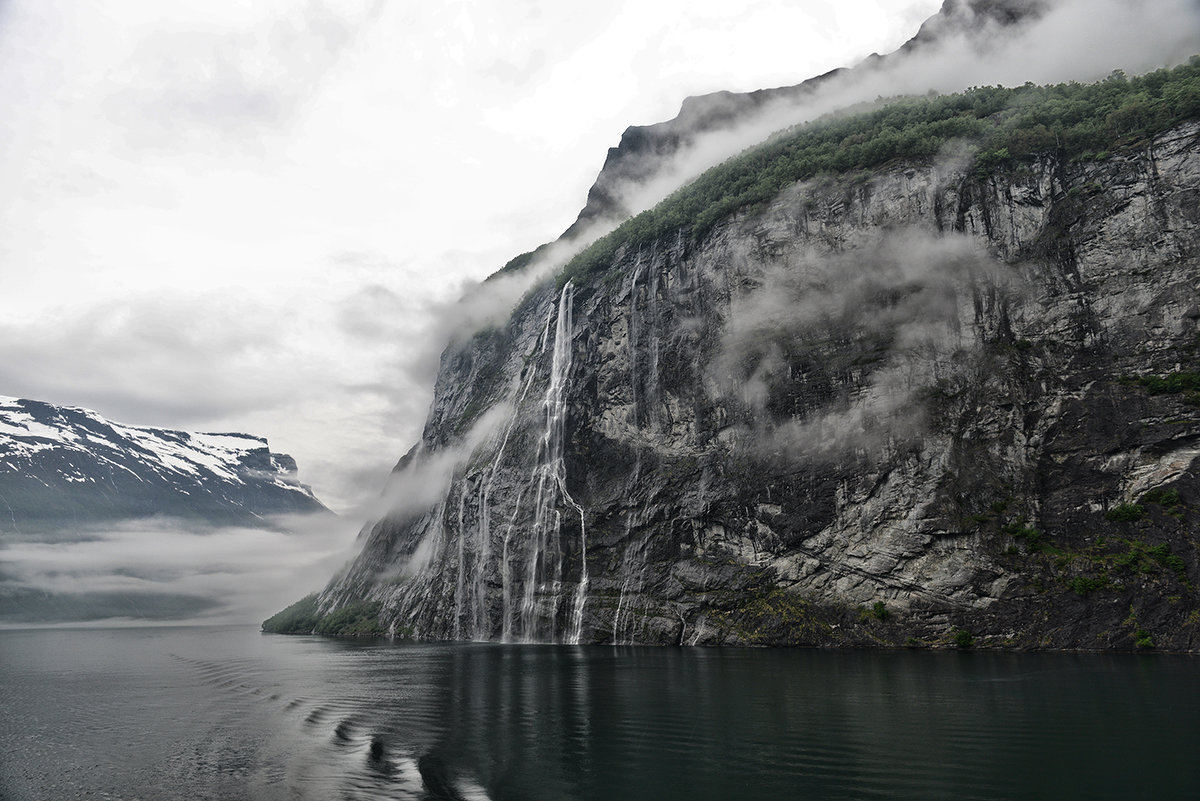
[
  {"x": 1006, "y": 125},
  {"x": 299, "y": 618},
  {"x": 1186, "y": 384},
  {"x": 356, "y": 620},
  {"x": 359, "y": 619}
]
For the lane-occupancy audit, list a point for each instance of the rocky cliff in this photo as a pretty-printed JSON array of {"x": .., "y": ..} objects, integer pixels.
[{"x": 929, "y": 404}]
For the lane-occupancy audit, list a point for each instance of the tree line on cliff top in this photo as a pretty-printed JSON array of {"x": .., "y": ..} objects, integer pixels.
[{"x": 1006, "y": 126}]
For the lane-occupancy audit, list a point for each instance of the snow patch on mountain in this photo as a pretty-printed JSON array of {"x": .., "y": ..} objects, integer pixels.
[{"x": 67, "y": 462}]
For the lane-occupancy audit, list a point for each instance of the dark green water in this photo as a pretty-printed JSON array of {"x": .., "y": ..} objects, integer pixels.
[{"x": 232, "y": 714}]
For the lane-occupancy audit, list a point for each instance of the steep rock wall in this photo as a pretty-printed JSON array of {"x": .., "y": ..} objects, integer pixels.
[{"x": 901, "y": 408}]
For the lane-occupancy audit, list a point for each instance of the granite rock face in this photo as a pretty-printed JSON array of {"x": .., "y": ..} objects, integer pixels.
[{"x": 925, "y": 407}]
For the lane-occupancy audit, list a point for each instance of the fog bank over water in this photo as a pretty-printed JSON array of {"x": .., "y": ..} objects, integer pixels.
[{"x": 163, "y": 569}]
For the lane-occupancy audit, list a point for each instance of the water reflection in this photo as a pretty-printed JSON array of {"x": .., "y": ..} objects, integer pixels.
[
  {"x": 521, "y": 722},
  {"x": 231, "y": 714}
]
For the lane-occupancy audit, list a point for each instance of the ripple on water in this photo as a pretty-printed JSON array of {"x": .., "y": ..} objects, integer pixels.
[{"x": 234, "y": 717}]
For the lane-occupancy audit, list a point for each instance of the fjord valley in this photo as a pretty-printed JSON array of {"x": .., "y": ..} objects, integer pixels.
[
  {"x": 841, "y": 411},
  {"x": 68, "y": 467}
]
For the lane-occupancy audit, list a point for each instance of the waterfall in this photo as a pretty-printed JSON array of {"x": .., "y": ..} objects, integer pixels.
[
  {"x": 541, "y": 596},
  {"x": 556, "y": 415},
  {"x": 633, "y": 578},
  {"x": 479, "y": 623},
  {"x": 576, "y": 632},
  {"x": 485, "y": 503},
  {"x": 634, "y": 333},
  {"x": 460, "y": 587},
  {"x": 506, "y": 626},
  {"x": 544, "y": 557}
]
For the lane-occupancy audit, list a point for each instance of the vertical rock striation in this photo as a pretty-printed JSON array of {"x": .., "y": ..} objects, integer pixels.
[{"x": 880, "y": 409}]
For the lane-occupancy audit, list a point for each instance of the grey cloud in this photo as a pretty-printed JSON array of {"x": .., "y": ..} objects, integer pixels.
[
  {"x": 234, "y": 574},
  {"x": 426, "y": 476},
  {"x": 151, "y": 359},
  {"x": 341, "y": 398},
  {"x": 375, "y": 313},
  {"x": 833, "y": 353},
  {"x": 491, "y": 302}
]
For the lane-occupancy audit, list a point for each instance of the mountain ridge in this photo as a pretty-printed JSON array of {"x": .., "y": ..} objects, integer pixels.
[
  {"x": 103, "y": 520},
  {"x": 644, "y": 150},
  {"x": 879, "y": 393},
  {"x": 69, "y": 467}
]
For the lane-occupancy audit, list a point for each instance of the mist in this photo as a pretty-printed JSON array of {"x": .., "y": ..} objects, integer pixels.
[
  {"x": 479, "y": 305},
  {"x": 334, "y": 175},
  {"x": 1073, "y": 40},
  {"x": 227, "y": 574},
  {"x": 861, "y": 336},
  {"x": 1068, "y": 40},
  {"x": 425, "y": 476},
  {"x": 318, "y": 315}
]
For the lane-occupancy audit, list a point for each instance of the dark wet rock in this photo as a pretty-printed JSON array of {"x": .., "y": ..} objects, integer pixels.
[{"x": 921, "y": 408}]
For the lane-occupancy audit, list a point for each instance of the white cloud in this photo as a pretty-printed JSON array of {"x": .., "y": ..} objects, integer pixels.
[
  {"x": 240, "y": 216},
  {"x": 1074, "y": 40},
  {"x": 248, "y": 573}
]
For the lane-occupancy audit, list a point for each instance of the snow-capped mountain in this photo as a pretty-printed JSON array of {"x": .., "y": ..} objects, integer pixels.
[{"x": 65, "y": 468}]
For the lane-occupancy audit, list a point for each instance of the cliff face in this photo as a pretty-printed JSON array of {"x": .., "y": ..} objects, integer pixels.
[{"x": 923, "y": 406}]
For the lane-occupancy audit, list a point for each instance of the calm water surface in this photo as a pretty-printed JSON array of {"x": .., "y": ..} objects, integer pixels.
[{"x": 232, "y": 714}]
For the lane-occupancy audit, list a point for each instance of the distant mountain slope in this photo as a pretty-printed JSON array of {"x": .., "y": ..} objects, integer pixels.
[{"x": 64, "y": 468}]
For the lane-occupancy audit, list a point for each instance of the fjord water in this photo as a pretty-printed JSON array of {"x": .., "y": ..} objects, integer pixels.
[{"x": 228, "y": 713}]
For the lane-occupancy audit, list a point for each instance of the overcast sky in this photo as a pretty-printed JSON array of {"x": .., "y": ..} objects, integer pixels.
[
  {"x": 234, "y": 215},
  {"x": 227, "y": 215}
]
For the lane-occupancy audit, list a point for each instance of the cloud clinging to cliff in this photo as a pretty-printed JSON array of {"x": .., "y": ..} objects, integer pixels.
[
  {"x": 260, "y": 216},
  {"x": 1072, "y": 40},
  {"x": 828, "y": 354}
]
